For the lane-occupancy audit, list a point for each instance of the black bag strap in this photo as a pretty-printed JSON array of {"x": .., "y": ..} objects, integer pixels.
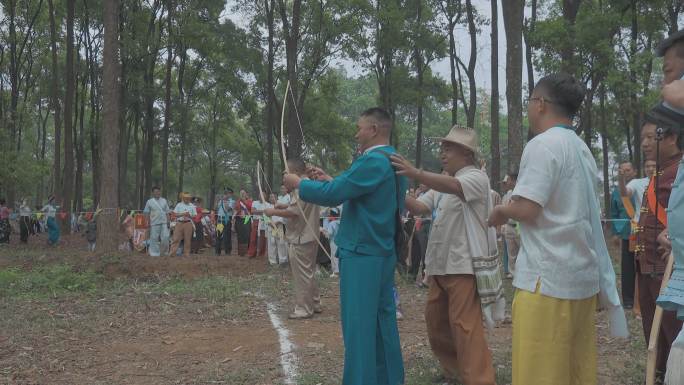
[{"x": 398, "y": 228}]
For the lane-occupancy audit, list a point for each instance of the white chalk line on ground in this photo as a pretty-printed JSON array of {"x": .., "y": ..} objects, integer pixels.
[{"x": 288, "y": 359}]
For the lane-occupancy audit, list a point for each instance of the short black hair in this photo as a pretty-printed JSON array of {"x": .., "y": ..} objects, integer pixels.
[
  {"x": 676, "y": 41},
  {"x": 669, "y": 120},
  {"x": 297, "y": 164},
  {"x": 564, "y": 91},
  {"x": 381, "y": 116},
  {"x": 228, "y": 189},
  {"x": 513, "y": 174},
  {"x": 2, "y": 201},
  {"x": 155, "y": 188}
]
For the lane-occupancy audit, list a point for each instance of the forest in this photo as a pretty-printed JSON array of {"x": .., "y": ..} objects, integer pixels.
[{"x": 191, "y": 94}]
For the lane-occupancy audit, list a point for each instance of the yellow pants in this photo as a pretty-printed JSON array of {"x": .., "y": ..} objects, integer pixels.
[{"x": 554, "y": 340}]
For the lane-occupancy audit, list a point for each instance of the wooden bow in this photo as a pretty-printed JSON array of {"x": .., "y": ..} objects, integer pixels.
[{"x": 315, "y": 231}]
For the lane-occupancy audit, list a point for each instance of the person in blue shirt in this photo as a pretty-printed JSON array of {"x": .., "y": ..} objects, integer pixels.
[
  {"x": 366, "y": 250},
  {"x": 622, "y": 228},
  {"x": 224, "y": 212}
]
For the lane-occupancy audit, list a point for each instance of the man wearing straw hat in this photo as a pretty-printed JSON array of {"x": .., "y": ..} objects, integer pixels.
[
  {"x": 462, "y": 201},
  {"x": 184, "y": 211}
]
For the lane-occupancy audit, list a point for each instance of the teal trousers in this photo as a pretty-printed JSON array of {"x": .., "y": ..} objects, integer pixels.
[{"x": 372, "y": 354}]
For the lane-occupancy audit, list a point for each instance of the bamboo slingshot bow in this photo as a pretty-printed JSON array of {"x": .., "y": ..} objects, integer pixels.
[
  {"x": 315, "y": 231},
  {"x": 652, "y": 356}
]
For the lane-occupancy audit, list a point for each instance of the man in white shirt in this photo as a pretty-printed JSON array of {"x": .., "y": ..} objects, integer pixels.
[
  {"x": 157, "y": 212},
  {"x": 184, "y": 211},
  {"x": 563, "y": 262}
]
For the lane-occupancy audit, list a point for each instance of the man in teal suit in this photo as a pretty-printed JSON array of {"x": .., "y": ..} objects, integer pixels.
[{"x": 366, "y": 251}]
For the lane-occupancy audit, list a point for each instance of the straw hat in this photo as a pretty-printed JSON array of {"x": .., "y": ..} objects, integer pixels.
[
  {"x": 466, "y": 137},
  {"x": 184, "y": 195}
]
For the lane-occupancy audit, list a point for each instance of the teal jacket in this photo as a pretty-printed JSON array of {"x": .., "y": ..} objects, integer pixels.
[{"x": 368, "y": 191}]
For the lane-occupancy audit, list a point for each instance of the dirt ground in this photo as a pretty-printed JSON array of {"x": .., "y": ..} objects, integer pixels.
[{"x": 168, "y": 321}]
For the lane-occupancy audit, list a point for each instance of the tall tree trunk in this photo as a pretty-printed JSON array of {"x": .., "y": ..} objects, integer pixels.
[
  {"x": 528, "y": 48},
  {"x": 291, "y": 29},
  {"x": 569, "y": 9},
  {"x": 495, "y": 168},
  {"x": 125, "y": 136},
  {"x": 586, "y": 120},
  {"x": 181, "y": 103},
  {"x": 513, "y": 21},
  {"x": 472, "y": 31},
  {"x": 673, "y": 10},
  {"x": 418, "y": 58},
  {"x": 149, "y": 93},
  {"x": 93, "y": 122},
  {"x": 43, "y": 151},
  {"x": 137, "y": 195},
  {"x": 68, "y": 187},
  {"x": 212, "y": 153},
  {"x": 78, "y": 188},
  {"x": 167, "y": 98},
  {"x": 633, "y": 97},
  {"x": 56, "y": 108},
  {"x": 108, "y": 220},
  {"x": 270, "y": 90},
  {"x": 604, "y": 148},
  {"x": 452, "y": 67}
]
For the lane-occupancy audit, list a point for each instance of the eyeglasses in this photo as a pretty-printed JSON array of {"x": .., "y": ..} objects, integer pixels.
[{"x": 542, "y": 98}]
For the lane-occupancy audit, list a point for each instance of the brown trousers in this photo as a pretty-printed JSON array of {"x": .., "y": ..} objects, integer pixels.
[
  {"x": 182, "y": 231},
  {"x": 454, "y": 325},
  {"x": 303, "y": 264},
  {"x": 649, "y": 288}
]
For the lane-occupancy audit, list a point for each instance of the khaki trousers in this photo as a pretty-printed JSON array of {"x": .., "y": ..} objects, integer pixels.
[
  {"x": 303, "y": 264},
  {"x": 182, "y": 231},
  {"x": 454, "y": 326}
]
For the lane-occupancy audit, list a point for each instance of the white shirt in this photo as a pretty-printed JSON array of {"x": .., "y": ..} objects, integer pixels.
[
  {"x": 157, "y": 210},
  {"x": 369, "y": 149},
  {"x": 258, "y": 206},
  {"x": 557, "y": 248},
  {"x": 636, "y": 188},
  {"x": 285, "y": 199},
  {"x": 24, "y": 211},
  {"x": 448, "y": 251},
  {"x": 181, "y": 208},
  {"x": 49, "y": 210}
]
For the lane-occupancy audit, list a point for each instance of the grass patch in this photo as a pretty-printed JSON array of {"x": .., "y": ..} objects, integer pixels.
[{"x": 46, "y": 281}]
